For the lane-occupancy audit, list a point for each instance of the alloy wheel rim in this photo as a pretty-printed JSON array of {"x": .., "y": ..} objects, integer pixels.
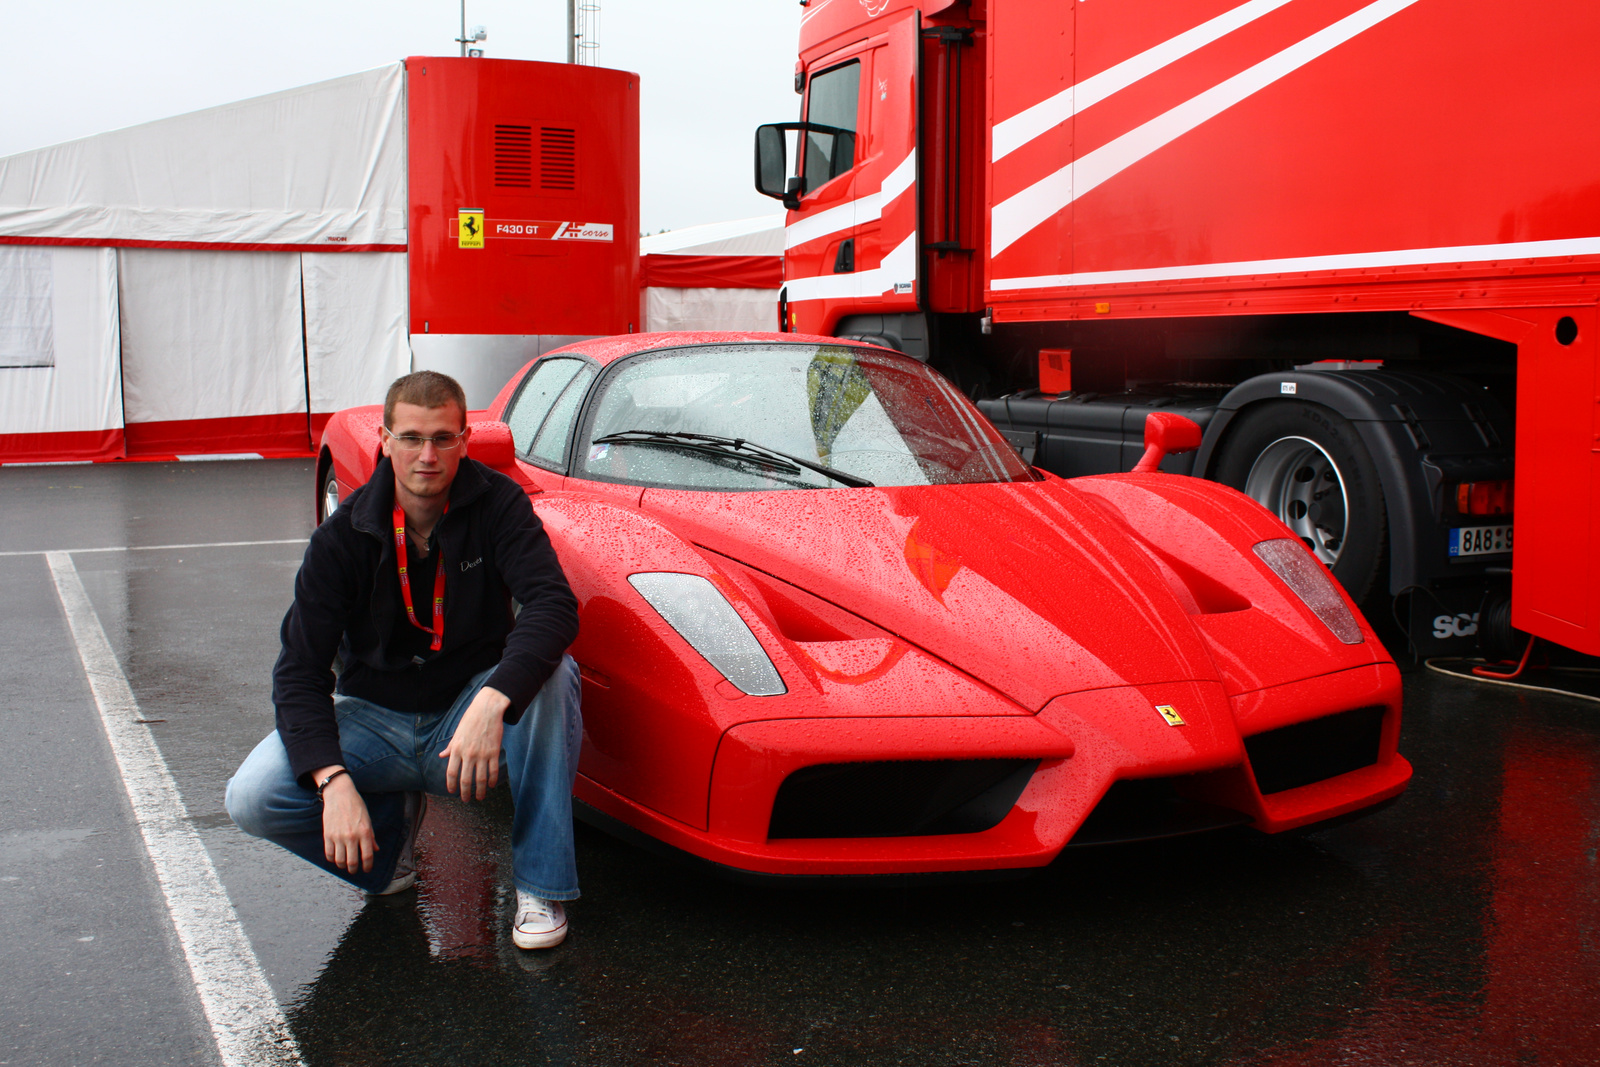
[{"x": 1296, "y": 480}]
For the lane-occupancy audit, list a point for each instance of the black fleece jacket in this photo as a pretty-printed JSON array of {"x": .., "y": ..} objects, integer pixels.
[{"x": 347, "y": 601}]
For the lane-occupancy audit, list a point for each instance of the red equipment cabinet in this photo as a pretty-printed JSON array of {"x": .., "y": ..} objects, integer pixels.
[
  {"x": 548, "y": 153},
  {"x": 1234, "y": 209}
]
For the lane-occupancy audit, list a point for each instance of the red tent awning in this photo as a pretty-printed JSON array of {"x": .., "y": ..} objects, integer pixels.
[{"x": 711, "y": 272}]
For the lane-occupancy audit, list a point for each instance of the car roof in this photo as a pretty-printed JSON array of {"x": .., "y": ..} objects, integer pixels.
[{"x": 607, "y": 350}]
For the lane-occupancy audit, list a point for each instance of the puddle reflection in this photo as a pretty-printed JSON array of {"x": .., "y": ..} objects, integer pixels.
[{"x": 1461, "y": 926}]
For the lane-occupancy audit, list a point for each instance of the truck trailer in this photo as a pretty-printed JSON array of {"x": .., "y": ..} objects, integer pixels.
[{"x": 1357, "y": 241}]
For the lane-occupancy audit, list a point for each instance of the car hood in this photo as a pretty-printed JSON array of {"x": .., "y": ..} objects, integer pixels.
[{"x": 1028, "y": 587}]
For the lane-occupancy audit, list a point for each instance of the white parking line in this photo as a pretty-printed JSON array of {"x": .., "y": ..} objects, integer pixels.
[
  {"x": 219, "y": 457},
  {"x": 245, "y": 1020},
  {"x": 156, "y": 548}
]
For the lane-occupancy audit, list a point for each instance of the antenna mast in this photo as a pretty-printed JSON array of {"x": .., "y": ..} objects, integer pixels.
[{"x": 583, "y": 32}]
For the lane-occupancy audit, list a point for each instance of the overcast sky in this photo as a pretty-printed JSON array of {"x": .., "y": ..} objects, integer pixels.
[{"x": 712, "y": 70}]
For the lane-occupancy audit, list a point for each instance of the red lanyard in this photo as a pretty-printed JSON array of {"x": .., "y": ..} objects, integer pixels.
[{"x": 405, "y": 582}]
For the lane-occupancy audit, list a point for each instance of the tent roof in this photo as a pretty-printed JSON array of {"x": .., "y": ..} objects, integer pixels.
[
  {"x": 321, "y": 165},
  {"x": 761, "y": 236}
]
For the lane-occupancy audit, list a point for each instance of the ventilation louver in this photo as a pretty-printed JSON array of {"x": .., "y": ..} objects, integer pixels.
[
  {"x": 558, "y": 159},
  {"x": 513, "y": 157}
]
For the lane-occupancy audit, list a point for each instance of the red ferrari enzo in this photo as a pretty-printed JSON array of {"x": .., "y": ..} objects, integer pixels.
[{"x": 832, "y": 624}]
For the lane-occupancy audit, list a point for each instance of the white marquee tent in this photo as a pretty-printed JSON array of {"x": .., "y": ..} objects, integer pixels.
[{"x": 209, "y": 282}]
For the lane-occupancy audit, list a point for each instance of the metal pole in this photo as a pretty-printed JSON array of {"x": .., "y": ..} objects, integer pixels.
[
  {"x": 463, "y": 29},
  {"x": 572, "y": 30}
]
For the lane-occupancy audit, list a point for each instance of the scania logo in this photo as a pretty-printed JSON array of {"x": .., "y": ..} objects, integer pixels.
[{"x": 1463, "y": 625}]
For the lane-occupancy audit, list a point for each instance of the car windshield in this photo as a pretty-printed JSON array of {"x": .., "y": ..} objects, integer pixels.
[{"x": 789, "y": 416}]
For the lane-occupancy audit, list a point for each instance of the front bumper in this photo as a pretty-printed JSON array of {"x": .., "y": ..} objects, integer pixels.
[{"x": 1083, "y": 743}]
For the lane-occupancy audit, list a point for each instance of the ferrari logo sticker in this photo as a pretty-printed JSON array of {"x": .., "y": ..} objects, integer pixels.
[
  {"x": 469, "y": 229},
  {"x": 1170, "y": 713},
  {"x": 471, "y": 232}
]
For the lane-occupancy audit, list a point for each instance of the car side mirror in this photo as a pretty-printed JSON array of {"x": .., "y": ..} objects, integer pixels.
[
  {"x": 491, "y": 445},
  {"x": 1166, "y": 432}
]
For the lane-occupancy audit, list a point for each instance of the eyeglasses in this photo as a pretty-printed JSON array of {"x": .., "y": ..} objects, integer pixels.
[{"x": 410, "y": 442}]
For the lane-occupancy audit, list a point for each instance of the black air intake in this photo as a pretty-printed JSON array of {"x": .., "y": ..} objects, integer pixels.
[
  {"x": 1147, "y": 809},
  {"x": 1307, "y": 752},
  {"x": 899, "y": 798}
]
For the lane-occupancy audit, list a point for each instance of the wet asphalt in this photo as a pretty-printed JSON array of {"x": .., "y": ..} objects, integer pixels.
[{"x": 1460, "y": 926}]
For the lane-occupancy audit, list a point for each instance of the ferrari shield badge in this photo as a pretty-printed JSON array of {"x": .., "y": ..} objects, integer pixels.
[
  {"x": 470, "y": 221},
  {"x": 1170, "y": 713}
]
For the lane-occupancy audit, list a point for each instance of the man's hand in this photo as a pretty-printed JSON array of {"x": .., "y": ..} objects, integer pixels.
[
  {"x": 474, "y": 749},
  {"x": 347, "y": 837}
]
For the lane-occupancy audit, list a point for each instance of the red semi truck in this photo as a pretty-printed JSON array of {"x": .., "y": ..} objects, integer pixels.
[{"x": 1357, "y": 241}]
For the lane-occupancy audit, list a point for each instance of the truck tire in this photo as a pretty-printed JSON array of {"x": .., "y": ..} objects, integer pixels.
[
  {"x": 871, "y": 339},
  {"x": 1308, "y": 465}
]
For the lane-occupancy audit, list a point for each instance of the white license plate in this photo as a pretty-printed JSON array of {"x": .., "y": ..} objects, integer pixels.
[{"x": 1480, "y": 540}]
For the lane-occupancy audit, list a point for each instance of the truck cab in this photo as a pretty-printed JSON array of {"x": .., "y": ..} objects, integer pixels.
[{"x": 1266, "y": 216}]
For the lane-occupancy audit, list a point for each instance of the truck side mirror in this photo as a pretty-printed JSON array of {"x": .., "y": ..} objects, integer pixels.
[
  {"x": 825, "y": 152},
  {"x": 772, "y": 164},
  {"x": 1166, "y": 432}
]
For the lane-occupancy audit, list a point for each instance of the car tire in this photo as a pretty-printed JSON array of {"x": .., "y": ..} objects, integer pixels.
[
  {"x": 871, "y": 339},
  {"x": 1307, "y": 465},
  {"x": 327, "y": 493}
]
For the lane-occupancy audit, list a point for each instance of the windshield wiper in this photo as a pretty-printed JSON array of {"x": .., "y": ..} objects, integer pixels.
[
  {"x": 710, "y": 448},
  {"x": 706, "y": 442}
]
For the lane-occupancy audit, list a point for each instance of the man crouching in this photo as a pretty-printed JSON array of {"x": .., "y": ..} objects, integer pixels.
[{"x": 411, "y": 581}]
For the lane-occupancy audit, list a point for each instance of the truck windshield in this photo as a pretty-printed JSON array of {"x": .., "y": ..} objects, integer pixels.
[
  {"x": 679, "y": 418},
  {"x": 832, "y": 102}
]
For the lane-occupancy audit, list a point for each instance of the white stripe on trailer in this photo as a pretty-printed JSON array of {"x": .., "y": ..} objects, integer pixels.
[
  {"x": 1404, "y": 257},
  {"x": 245, "y": 1020},
  {"x": 1046, "y": 115},
  {"x": 1020, "y": 214}
]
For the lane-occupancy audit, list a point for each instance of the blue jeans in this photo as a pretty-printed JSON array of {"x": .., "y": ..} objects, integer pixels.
[{"x": 390, "y": 753}]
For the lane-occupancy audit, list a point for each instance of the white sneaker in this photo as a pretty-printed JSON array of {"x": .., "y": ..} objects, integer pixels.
[
  {"x": 405, "y": 868},
  {"x": 539, "y": 923}
]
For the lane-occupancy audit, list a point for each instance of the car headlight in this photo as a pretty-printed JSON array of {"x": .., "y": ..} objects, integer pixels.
[
  {"x": 1312, "y": 583},
  {"x": 704, "y": 618}
]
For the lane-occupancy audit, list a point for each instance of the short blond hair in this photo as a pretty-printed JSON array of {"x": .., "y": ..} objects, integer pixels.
[{"x": 424, "y": 389}]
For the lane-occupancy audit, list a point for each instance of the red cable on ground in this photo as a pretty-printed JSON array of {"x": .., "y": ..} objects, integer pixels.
[{"x": 1484, "y": 672}]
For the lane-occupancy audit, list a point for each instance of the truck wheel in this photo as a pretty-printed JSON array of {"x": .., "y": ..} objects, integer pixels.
[
  {"x": 328, "y": 499},
  {"x": 1307, "y": 465}
]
